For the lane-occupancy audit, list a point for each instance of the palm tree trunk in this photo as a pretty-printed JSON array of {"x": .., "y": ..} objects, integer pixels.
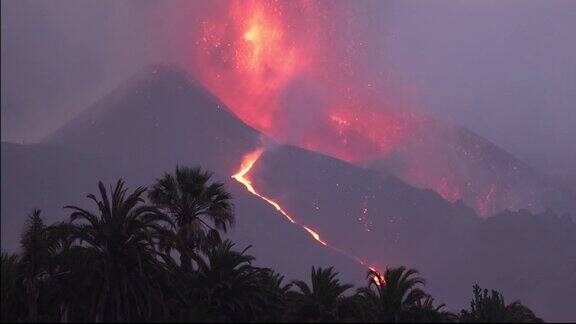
[
  {"x": 33, "y": 308},
  {"x": 185, "y": 262}
]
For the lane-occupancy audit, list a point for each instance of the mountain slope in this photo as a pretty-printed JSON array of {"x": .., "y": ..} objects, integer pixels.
[
  {"x": 157, "y": 120},
  {"x": 161, "y": 118},
  {"x": 459, "y": 164},
  {"x": 380, "y": 219},
  {"x": 388, "y": 223}
]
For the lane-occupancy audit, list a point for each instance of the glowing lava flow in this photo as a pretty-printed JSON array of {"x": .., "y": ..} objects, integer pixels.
[{"x": 247, "y": 164}]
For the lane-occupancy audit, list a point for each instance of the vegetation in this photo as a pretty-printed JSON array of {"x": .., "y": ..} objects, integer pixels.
[
  {"x": 163, "y": 260},
  {"x": 194, "y": 204},
  {"x": 491, "y": 308},
  {"x": 324, "y": 301}
]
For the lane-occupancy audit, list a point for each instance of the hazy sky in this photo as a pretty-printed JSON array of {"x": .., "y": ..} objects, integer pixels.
[{"x": 505, "y": 69}]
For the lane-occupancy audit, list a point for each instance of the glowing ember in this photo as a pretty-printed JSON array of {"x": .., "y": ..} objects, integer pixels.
[
  {"x": 245, "y": 167},
  {"x": 314, "y": 235}
]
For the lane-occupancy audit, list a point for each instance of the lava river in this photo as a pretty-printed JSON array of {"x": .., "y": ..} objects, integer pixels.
[{"x": 241, "y": 176}]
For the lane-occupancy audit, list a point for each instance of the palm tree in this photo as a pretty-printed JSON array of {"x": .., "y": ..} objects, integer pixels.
[
  {"x": 520, "y": 313},
  {"x": 13, "y": 298},
  {"x": 115, "y": 263},
  {"x": 226, "y": 287},
  {"x": 199, "y": 209},
  {"x": 425, "y": 312},
  {"x": 391, "y": 297},
  {"x": 37, "y": 250},
  {"x": 37, "y": 270},
  {"x": 491, "y": 308},
  {"x": 321, "y": 302},
  {"x": 276, "y": 293}
]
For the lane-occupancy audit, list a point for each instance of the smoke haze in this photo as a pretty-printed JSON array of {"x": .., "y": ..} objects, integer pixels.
[
  {"x": 425, "y": 105},
  {"x": 506, "y": 70}
]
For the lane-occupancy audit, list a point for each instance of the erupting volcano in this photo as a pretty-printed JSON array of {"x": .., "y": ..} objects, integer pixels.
[
  {"x": 319, "y": 134},
  {"x": 287, "y": 70}
]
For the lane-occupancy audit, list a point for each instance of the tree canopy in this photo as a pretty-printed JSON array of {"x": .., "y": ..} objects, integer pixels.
[{"x": 130, "y": 259}]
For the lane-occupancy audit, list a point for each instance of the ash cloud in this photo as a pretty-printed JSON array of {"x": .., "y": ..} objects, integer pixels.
[
  {"x": 304, "y": 107},
  {"x": 510, "y": 80}
]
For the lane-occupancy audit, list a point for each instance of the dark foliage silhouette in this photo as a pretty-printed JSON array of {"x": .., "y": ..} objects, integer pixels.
[
  {"x": 115, "y": 263},
  {"x": 117, "y": 259},
  {"x": 489, "y": 307},
  {"x": 323, "y": 301},
  {"x": 199, "y": 208}
]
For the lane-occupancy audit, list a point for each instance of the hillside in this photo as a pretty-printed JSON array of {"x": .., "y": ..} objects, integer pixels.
[
  {"x": 462, "y": 165},
  {"x": 388, "y": 223},
  {"x": 161, "y": 118}
]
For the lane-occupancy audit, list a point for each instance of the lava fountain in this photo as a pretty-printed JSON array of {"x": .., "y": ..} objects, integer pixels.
[{"x": 272, "y": 64}]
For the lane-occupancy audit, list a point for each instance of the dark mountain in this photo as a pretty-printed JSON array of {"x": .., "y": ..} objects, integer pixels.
[
  {"x": 529, "y": 256},
  {"x": 381, "y": 219},
  {"x": 161, "y": 118},
  {"x": 389, "y": 223}
]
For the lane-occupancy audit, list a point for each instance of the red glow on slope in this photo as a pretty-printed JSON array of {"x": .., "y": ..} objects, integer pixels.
[{"x": 381, "y": 130}]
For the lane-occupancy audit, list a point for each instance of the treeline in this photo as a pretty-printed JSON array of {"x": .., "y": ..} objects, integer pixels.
[{"x": 162, "y": 259}]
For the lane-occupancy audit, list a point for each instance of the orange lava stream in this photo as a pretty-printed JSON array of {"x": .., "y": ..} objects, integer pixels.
[
  {"x": 247, "y": 164},
  {"x": 245, "y": 167}
]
